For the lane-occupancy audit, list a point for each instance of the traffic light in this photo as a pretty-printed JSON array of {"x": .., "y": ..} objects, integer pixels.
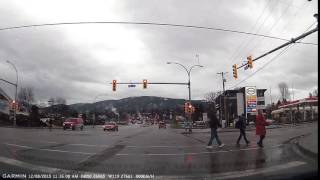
[
  {"x": 145, "y": 84},
  {"x": 250, "y": 61},
  {"x": 235, "y": 71},
  {"x": 114, "y": 85},
  {"x": 14, "y": 105},
  {"x": 188, "y": 108}
]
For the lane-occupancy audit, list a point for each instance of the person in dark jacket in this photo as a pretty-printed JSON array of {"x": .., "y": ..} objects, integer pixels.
[
  {"x": 241, "y": 125},
  {"x": 214, "y": 125}
]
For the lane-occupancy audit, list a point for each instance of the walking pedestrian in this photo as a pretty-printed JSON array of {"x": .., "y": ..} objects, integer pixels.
[
  {"x": 214, "y": 125},
  {"x": 241, "y": 125},
  {"x": 261, "y": 124}
]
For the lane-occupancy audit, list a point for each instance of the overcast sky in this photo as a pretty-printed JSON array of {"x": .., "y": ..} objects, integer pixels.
[{"x": 77, "y": 62}]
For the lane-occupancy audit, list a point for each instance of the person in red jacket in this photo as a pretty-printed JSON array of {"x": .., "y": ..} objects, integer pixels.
[{"x": 261, "y": 124}]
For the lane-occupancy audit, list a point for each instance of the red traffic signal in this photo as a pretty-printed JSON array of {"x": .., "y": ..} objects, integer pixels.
[
  {"x": 188, "y": 108},
  {"x": 114, "y": 85},
  {"x": 250, "y": 61},
  {"x": 145, "y": 84}
]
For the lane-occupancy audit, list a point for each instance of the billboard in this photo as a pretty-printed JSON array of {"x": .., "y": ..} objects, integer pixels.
[{"x": 251, "y": 99}]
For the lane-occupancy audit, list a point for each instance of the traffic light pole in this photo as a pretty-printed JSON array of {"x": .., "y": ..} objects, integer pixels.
[
  {"x": 293, "y": 40},
  {"x": 154, "y": 83}
]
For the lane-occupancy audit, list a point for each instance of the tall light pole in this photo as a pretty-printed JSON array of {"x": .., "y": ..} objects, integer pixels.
[
  {"x": 15, "y": 94},
  {"x": 189, "y": 83}
]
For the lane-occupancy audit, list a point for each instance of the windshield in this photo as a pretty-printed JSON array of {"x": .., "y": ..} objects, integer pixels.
[{"x": 159, "y": 89}]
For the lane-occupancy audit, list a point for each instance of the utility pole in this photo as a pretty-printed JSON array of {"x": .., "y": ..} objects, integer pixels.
[
  {"x": 223, "y": 79},
  {"x": 223, "y": 88}
]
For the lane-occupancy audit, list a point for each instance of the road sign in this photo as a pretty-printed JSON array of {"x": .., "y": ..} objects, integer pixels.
[{"x": 251, "y": 99}]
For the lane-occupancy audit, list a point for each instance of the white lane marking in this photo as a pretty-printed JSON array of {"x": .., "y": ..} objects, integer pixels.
[
  {"x": 162, "y": 146},
  {"x": 197, "y": 153},
  {"x": 16, "y": 145},
  {"x": 61, "y": 151},
  {"x": 29, "y": 166},
  {"x": 122, "y": 154},
  {"x": 244, "y": 173},
  {"x": 52, "y": 150},
  {"x": 90, "y": 145}
]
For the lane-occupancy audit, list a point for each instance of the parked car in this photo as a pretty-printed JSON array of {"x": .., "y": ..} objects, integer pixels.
[
  {"x": 110, "y": 126},
  {"x": 73, "y": 123},
  {"x": 162, "y": 124}
]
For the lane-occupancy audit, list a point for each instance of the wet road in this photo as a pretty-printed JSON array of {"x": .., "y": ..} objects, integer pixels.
[{"x": 162, "y": 153}]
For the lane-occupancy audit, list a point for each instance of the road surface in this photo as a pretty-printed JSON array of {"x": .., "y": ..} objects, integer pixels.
[{"x": 150, "y": 152}]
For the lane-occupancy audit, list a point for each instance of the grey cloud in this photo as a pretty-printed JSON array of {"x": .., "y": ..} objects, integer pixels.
[{"x": 56, "y": 66}]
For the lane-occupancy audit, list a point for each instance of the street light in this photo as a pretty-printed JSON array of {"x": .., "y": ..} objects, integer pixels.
[
  {"x": 188, "y": 73},
  {"x": 189, "y": 83},
  {"x": 15, "y": 95}
]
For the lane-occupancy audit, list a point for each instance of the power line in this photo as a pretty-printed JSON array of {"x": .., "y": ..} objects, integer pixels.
[
  {"x": 274, "y": 58},
  {"x": 286, "y": 45},
  {"x": 293, "y": 40},
  {"x": 144, "y": 23},
  {"x": 272, "y": 27},
  {"x": 236, "y": 52}
]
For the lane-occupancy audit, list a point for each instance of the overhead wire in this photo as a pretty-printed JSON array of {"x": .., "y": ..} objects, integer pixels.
[
  {"x": 145, "y": 23},
  {"x": 236, "y": 52},
  {"x": 272, "y": 27},
  {"x": 274, "y": 58},
  {"x": 246, "y": 49}
]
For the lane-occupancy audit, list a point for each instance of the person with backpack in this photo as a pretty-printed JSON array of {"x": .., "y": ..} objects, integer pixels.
[
  {"x": 214, "y": 125},
  {"x": 241, "y": 125}
]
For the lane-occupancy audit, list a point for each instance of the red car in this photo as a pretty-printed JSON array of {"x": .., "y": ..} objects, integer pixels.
[
  {"x": 73, "y": 123},
  {"x": 110, "y": 126}
]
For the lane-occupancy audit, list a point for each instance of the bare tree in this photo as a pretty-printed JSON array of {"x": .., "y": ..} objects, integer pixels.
[
  {"x": 315, "y": 92},
  {"x": 212, "y": 96},
  {"x": 26, "y": 97},
  {"x": 284, "y": 91}
]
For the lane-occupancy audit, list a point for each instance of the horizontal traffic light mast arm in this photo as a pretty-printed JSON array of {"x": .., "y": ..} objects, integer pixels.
[
  {"x": 293, "y": 40},
  {"x": 8, "y": 82},
  {"x": 155, "y": 83}
]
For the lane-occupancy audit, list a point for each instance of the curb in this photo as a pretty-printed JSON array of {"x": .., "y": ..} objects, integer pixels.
[
  {"x": 305, "y": 150},
  {"x": 301, "y": 149}
]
